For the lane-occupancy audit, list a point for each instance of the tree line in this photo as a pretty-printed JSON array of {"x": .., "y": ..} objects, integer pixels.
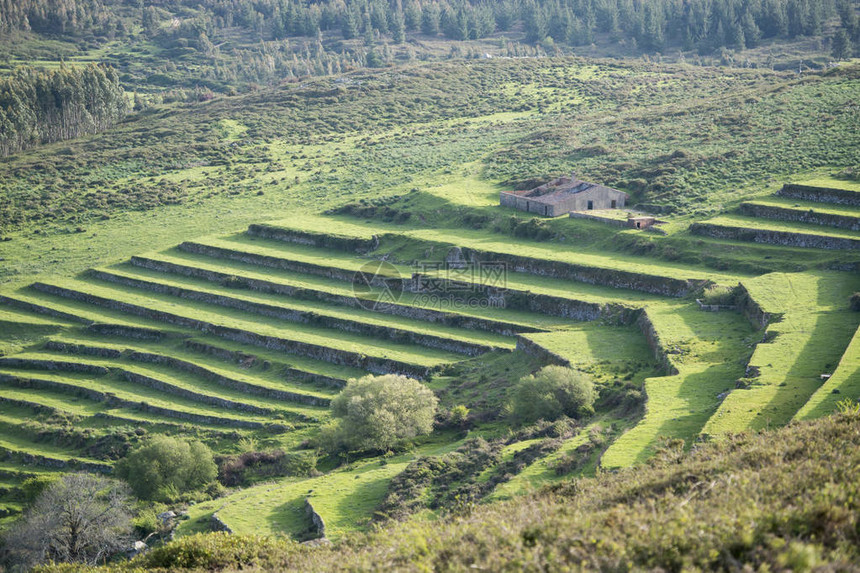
[
  {"x": 38, "y": 106},
  {"x": 74, "y": 17},
  {"x": 643, "y": 26}
]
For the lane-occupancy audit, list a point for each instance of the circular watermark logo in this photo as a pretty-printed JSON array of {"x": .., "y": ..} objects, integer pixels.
[{"x": 377, "y": 283}]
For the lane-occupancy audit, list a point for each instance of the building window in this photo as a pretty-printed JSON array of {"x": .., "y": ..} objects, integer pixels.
[
  {"x": 590, "y": 205},
  {"x": 614, "y": 203}
]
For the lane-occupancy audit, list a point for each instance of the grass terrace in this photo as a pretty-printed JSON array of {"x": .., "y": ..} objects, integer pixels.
[
  {"x": 315, "y": 311},
  {"x": 843, "y": 384},
  {"x": 345, "y": 498},
  {"x": 709, "y": 351},
  {"x": 809, "y": 340},
  {"x": 231, "y": 318},
  {"x": 785, "y": 227},
  {"x": 805, "y": 206}
]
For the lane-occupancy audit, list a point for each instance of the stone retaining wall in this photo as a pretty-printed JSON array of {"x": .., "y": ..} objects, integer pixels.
[
  {"x": 820, "y": 194},
  {"x": 769, "y": 237},
  {"x": 590, "y": 275},
  {"x": 124, "y": 331},
  {"x": 310, "y": 238},
  {"x": 82, "y": 349},
  {"x": 169, "y": 388},
  {"x": 244, "y": 358},
  {"x": 653, "y": 339},
  {"x": 115, "y": 401},
  {"x": 36, "y": 407},
  {"x": 302, "y": 316},
  {"x": 527, "y": 301},
  {"x": 404, "y": 310},
  {"x": 39, "y": 309},
  {"x": 532, "y": 348},
  {"x": 272, "y": 262},
  {"x": 59, "y": 365},
  {"x": 374, "y": 365},
  {"x": 751, "y": 309},
  {"x": 715, "y": 307},
  {"x": 217, "y": 524},
  {"x": 232, "y": 383},
  {"x": 796, "y": 215},
  {"x": 317, "y": 522},
  {"x": 604, "y": 220},
  {"x": 48, "y": 462}
]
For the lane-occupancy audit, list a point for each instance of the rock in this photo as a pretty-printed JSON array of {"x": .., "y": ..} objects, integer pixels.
[
  {"x": 166, "y": 516},
  {"x": 136, "y": 549},
  {"x": 455, "y": 259}
]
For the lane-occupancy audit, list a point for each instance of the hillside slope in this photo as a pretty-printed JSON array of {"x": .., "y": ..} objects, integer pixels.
[{"x": 680, "y": 512}]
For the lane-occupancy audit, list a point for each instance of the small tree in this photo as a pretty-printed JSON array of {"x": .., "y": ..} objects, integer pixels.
[
  {"x": 552, "y": 392},
  {"x": 166, "y": 467},
  {"x": 80, "y": 518},
  {"x": 841, "y": 46},
  {"x": 380, "y": 412}
]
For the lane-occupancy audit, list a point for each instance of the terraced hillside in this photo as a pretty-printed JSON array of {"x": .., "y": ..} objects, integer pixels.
[
  {"x": 243, "y": 339},
  {"x": 797, "y": 216}
]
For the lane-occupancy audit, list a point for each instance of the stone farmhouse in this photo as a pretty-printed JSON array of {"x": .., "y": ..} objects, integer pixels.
[{"x": 563, "y": 195}]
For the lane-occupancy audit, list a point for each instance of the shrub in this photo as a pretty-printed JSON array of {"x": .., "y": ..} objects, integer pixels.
[
  {"x": 164, "y": 468},
  {"x": 217, "y": 551},
  {"x": 32, "y": 487},
  {"x": 380, "y": 412},
  {"x": 459, "y": 415},
  {"x": 253, "y": 466},
  {"x": 552, "y": 392},
  {"x": 855, "y": 301},
  {"x": 719, "y": 295}
]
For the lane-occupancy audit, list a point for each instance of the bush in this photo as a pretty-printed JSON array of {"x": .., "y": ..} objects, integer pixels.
[
  {"x": 552, "y": 392},
  {"x": 217, "y": 551},
  {"x": 459, "y": 415},
  {"x": 719, "y": 295},
  {"x": 32, "y": 487},
  {"x": 855, "y": 301},
  {"x": 253, "y": 466},
  {"x": 380, "y": 412},
  {"x": 164, "y": 468}
]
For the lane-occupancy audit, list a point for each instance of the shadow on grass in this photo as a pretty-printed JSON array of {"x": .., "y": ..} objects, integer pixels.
[
  {"x": 354, "y": 510},
  {"x": 291, "y": 519},
  {"x": 699, "y": 393},
  {"x": 829, "y": 337}
]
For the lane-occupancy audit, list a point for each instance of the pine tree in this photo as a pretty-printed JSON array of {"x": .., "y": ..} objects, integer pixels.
[
  {"x": 430, "y": 20},
  {"x": 841, "y": 43},
  {"x": 398, "y": 28}
]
